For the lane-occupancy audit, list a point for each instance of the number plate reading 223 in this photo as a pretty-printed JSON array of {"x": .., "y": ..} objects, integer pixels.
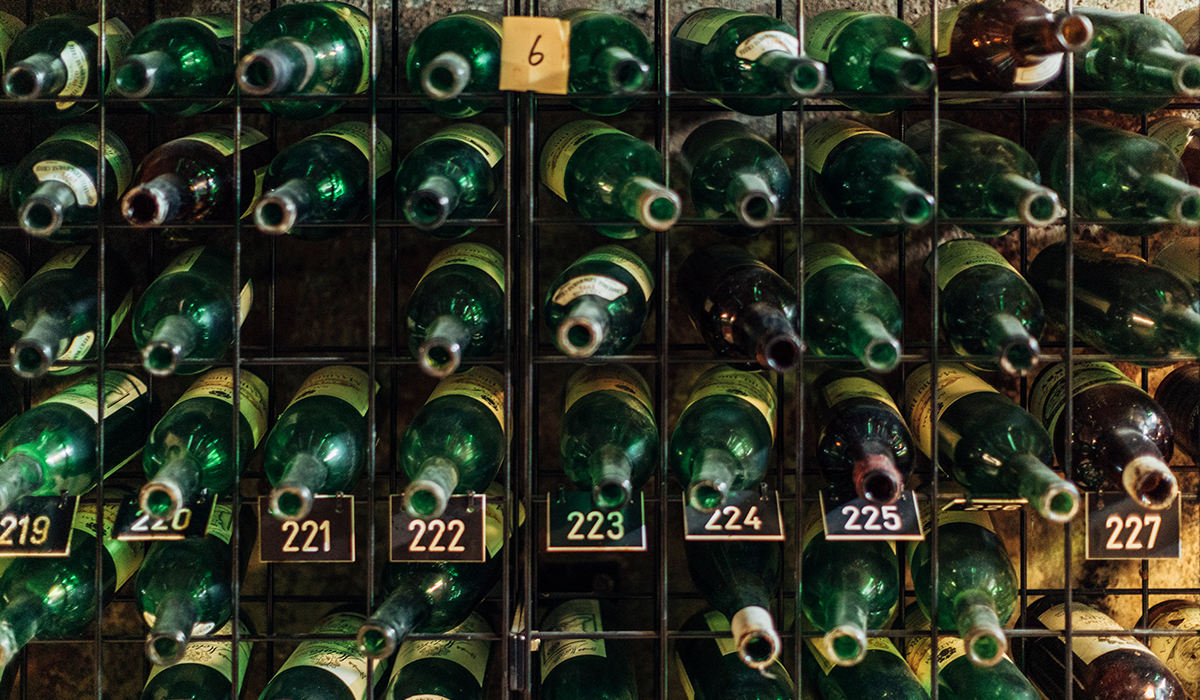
[
  {"x": 458, "y": 535},
  {"x": 1118, "y": 528},
  {"x": 745, "y": 515},
  {"x": 575, "y": 527}
]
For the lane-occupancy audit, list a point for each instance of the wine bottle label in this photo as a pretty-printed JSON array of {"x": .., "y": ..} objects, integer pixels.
[
  {"x": 953, "y": 381},
  {"x": 1048, "y": 397},
  {"x": 67, "y": 259},
  {"x": 341, "y": 382},
  {"x": 10, "y": 27},
  {"x": 220, "y": 525},
  {"x": 127, "y": 556},
  {"x": 472, "y": 655},
  {"x": 1039, "y": 72},
  {"x": 949, "y": 517},
  {"x": 619, "y": 378},
  {"x": 198, "y": 629},
  {"x": 75, "y": 61},
  {"x": 847, "y": 388},
  {"x": 606, "y": 288},
  {"x": 962, "y": 254},
  {"x": 480, "y": 138},
  {"x": 562, "y": 144},
  {"x": 821, "y": 32},
  {"x": 756, "y": 45},
  {"x": 120, "y": 390},
  {"x": 1088, "y": 649},
  {"x": 425, "y": 696},
  {"x": 818, "y": 256},
  {"x": 260, "y": 174},
  {"x": 750, "y": 387},
  {"x": 476, "y": 255},
  {"x": 186, "y": 260},
  {"x": 115, "y": 154},
  {"x": 947, "y": 18},
  {"x": 494, "y": 531},
  {"x": 340, "y": 657},
  {"x": 483, "y": 384},
  {"x": 1182, "y": 257},
  {"x": 615, "y": 255},
  {"x": 917, "y": 650},
  {"x": 12, "y": 276},
  {"x": 702, "y": 25},
  {"x": 360, "y": 24},
  {"x": 221, "y": 27},
  {"x": 487, "y": 19},
  {"x": 688, "y": 690},
  {"x": 358, "y": 134},
  {"x": 218, "y": 384},
  {"x": 814, "y": 524},
  {"x": 223, "y": 142},
  {"x": 213, "y": 654},
  {"x": 77, "y": 179},
  {"x": 1178, "y": 653},
  {"x": 820, "y": 140},
  {"x": 572, "y": 616},
  {"x": 717, "y": 622},
  {"x": 873, "y": 644}
]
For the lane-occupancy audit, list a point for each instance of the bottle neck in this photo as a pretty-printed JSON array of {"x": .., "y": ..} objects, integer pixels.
[
  {"x": 40, "y": 75},
  {"x": 171, "y": 487},
  {"x": 446, "y": 76},
  {"x": 43, "y": 212},
  {"x": 654, "y": 206},
  {"x": 793, "y": 75},
  {"x": 846, "y": 640},
  {"x": 612, "y": 477},
  {"x": 173, "y": 340},
  {"x": 1171, "y": 199},
  {"x": 41, "y": 345},
  {"x": 1163, "y": 69},
  {"x": 19, "y": 623},
  {"x": 292, "y": 497},
  {"x": 158, "y": 201},
  {"x": 1011, "y": 196},
  {"x": 446, "y": 340},
  {"x": 900, "y": 198},
  {"x": 754, "y": 633},
  {"x": 20, "y": 475},
  {"x": 710, "y": 483},
  {"x": 400, "y": 614},
  {"x": 751, "y": 200},
  {"x": 899, "y": 70},
  {"x": 582, "y": 331},
  {"x": 871, "y": 342},
  {"x": 426, "y": 497},
  {"x": 624, "y": 71},
  {"x": 1182, "y": 326},
  {"x": 1006, "y": 338},
  {"x": 1050, "y": 34},
  {"x": 769, "y": 337},
  {"x": 1143, "y": 473},
  {"x": 174, "y": 618},
  {"x": 285, "y": 206},
  {"x": 146, "y": 74},
  {"x": 431, "y": 205},
  {"x": 979, "y": 627},
  {"x": 282, "y": 66},
  {"x": 1054, "y": 497},
  {"x": 876, "y": 476}
]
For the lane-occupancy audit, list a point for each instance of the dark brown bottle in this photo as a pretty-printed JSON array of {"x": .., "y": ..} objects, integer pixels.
[
  {"x": 1113, "y": 667},
  {"x": 1118, "y": 436},
  {"x": 1179, "y": 395},
  {"x": 1003, "y": 44},
  {"x": 741, "y": 307},
  {"x": 1178, "y": 653}
]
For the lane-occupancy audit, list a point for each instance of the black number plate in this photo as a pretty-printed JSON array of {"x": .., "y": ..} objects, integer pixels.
[
  {"x": 575, "y": 526},
  {"x": 858, "y": 519},
  {"x": 458, "y": 535},
  {"x": 1118, "y": 528},
  {"x": 38, "y": 526},
  {"x": 190, "y": 521},
  {"x": 985, "y": 504},
  {"x": 326, "y": 535},
  {"x": 746, "y": 515}
]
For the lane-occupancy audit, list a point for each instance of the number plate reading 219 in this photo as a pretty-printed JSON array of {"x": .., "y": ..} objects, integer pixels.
[
  {"x": 458, "y": 535},
  {"x": 37, "y": 526}
]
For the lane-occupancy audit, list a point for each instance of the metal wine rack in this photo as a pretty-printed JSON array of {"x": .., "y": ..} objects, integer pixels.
[{"x": 342, "y": 301}]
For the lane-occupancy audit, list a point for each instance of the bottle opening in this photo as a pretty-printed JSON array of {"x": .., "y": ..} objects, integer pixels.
[
  {"x": 289, "y": 503},
  {"x": 166, "y": 649},
  {"x": 140, "y": 208},
  {"x": 439, "y": 356},
  {"x": 21, "y": 83},
  {"x": 579, "y": 336},
  {"x": 916, "y": 74},
  {"x": 1018, "y": 358},
  {"x": 258, "y": 75},
  {"x": 1063, "y": 505},
  {"x": 29, "y": 361},
  {"x": 706, "y": 497},
  {"x": 985, "y": 648},
  {"x": 39, "y": 218},
  {"x": 271, "y": 213},
  {"x": 132, "y": 79},
  {"x": 159, "y": 359},
  {"x": 781, "y": 355},
  {"x": 629, "y": 75},
  {"x": 917, "y": 209},
  {"x": 663, "y": 209},
  {"x": 428, "y": 210},
  {"x": 1076, "y": 32},
  {"x": 1158, "y": 490},
  {"x": 159, "y": 503},
  {"x": 442, "y": 79},
  {"x": 846, "y": 647},
  {"x": 1042, "y": 209},
  {"x": 1189, "y": 209},
  {"x": 882, "y": 355},
  {"x": 1189, "y": 78},
  {"x": 758, "y": 649},
  {"x": 757, "y": 211},
  {"x": 807, "y": 78},
  {"x": 611, "y": 496},
  {"x": 423, "y": 504},
  {"x": 880, "y": 488},
  {"x": 374, "y": 642}
]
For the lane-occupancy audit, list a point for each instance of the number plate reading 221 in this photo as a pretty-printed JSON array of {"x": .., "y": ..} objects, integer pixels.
[
  {"x": 458, "y": 535},
  {"x": 858, "y": 519},
  {"x": 325, "y": 535},
  {"x": 37, "y": 526},
  {"x": 1118, "y": 528},
  {"x": 745, "y": 515}
]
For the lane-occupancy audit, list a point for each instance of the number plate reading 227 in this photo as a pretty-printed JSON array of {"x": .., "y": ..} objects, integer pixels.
[
  {"x": 458, "y": 535},
  {"x": 746, "y": 515},
  {"x": 858, "y": 519},
  {"x": 1118, "y": 528},
  {"x": 37, "y": 526}
]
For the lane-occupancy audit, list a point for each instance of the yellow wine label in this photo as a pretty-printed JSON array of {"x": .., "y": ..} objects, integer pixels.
[
  {"x": 949, "y": 517},
  {"x": 74, "y": 60},
  {"x": 962, "y": 254},
  {"x": 947, "y": 18},
  {"x": 340, "y": 657},
  {"x": 821, "y": 32},
  {"x": 818, "y": 256},
  {"x": 572, "y": 616},
  {"x": 260, "y": 174},
  {"x": 476, "y": 255},
  {"x": 494, "y": 529},
  {"x": 66, "y": 259},
  {"x": 223, "y": 142},
  {"x": 1180, "y": 654},
  {"x": 1039, "y": 72},
  {"x": 483, "y": 384},
  {"x": 1182, "y": 257},
  {"x": 625, "y": 260},
  {"x": 126, "y": 556},
  {"x": 120, "y": 390},
  {"x": 1048, "y": 397},
  {"x": 252, "y": 393},
  {"x": 10, "y": 27},
  {"x": 916, "y": 651},
  {"x": 341, "y": 382},
  {"x": 601, "y": 286},
  {"x": 814, "y": 524},
  {"x": 953, "y": 381},
  {"x": 220, "y": 525},
  {"x": 820, "y": 140},
  {"x": 755, "y": 45},
  {"x": 472, "y": 655},
  {"x": 79, "y": 180},
  {"x": 216, "y": 655},
  {"x": 221, "y": 27},
  {"x": 480, "y": 138},
  {"x": 245, "y": 301},
  {"x": 117, "y": 37},
  {"x": 702, "y": 25},
  {"x": 182, "y": 262},
  {"x": 358, "y": 134},
  {"x": 487, "y": 19},
  {"x": 751, "y": 387},
  {"x": 1088, "y": 649},
  {"x": 845, "y": 388},
  {"x": 115, "y": 152},
  {"x": 562, "y": 144},
  {"x": 688, "y": 691},
  {"x": 360, "y": 24},
  {"x": 12, "y": 276},
  {"x": 622, "y": 379},
  {"x": 717, "y": 622},
  {"x": 1176, "y": 132}
]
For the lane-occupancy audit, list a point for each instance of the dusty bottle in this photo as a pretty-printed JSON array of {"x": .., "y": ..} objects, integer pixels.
[
  {"x": 189, "y": 58},
  {"x": 610, "y": 59},
  {"x": 739, "y": 579},
  {"x": 456, "y": 311},
  {"x": 734, "y": 175},
  {"x": 598, "y": 305},
  {"x": 457, "y": 54}
]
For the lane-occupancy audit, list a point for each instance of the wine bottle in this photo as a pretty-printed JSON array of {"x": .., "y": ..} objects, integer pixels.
[
  {"x": 10, "y": 27},
  {"x": 724, "y": 436},
  {"x": 734, "y": 175},
  {"x": 56, "y": 312},
  {"x": 988, "y": 444},
  {"x": 1120, "y": 175},
  {"x": 1182, "y": 256},
  {"x": 1002, "y": 44},
  {"x": 882, "y": 670},
  {"x": 848, "y": 310},
  {"x": 456, "y": 311},
  {"x": 859, "y": 173},
  {"x": 863, "y": 446},
  {"x": 1178, "y": 654},
  {"x": 191, "y": 450},
  {"x": 57, "y": 597},
  {"x": 459, "y": 53},
  {"x": 604, "y": 173},
  {"x": 984, "y": 176},
  {"x": 847, "y": 588},
  {"x": 1123, "y": 304},
  {"x": 610, "y": 59},
  {"x": 187, "y": 313},
  {"x": 51, "y": 448},
  {"x": 1179, "y": 395},
  {"x": 569, "y": 665},
  {"x": 183, "y": 587},
  {"x": 442, "y": 668},
  {"x": 454, "y": 174},
  {"x": 319, "y": 444},
  {"x": 1187, "y": 23},
  {"x": 987, "y": 308},
  {"x": 710, "y": 668},
  {"x": 55, "y": 190},
  {"x": 977, "y": 585},
  {"x": 598, "y": 305},
  {"x": 56, "y": 60},
  {"x": 307, "y": 49},
  {"x": 609, "y": 438},
  {"x": 1118, "y": 436},
  {"x": 332, "y": 667},
  {"x": 12, "y": 278},
  {"x": 867, "y": 53},
  {"x": 747, "y": 56},
  {"x": 190, "y": 59},
  {"x": 456, "y": 442},
  {"x": 323, "y": 179},
  {"x": 1108, "y": 666},
  {"x": 1177, "y": 132},
  {"x": 741, "y": 307},
  {"x": 191, "y": 180},
  {"x": 205, "y": 672},
  {"x": 739, "y": 578}
]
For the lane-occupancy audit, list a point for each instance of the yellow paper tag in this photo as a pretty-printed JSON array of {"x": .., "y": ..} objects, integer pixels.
[
  {"x": 619, "y": 378},
  {"x": 222, "y": 140},
  {"x": 954, "y": 382},
  {"x": 478, "y": 137},
  {"x": 854, "y": 387},
  {"x": 962, "y": 254},
  {"x": 535, "y": 54},
  {"x": 341, "y": 382},
  {"x": 476, "y": 255},
  {"x": 562, "y": 144}
]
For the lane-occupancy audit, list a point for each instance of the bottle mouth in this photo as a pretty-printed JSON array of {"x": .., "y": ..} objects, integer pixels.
[
  {"x": 781, "y": 353},
  {"x": 706, "y": 496},
  {"x": 1150, "y": 482},
  {"x": 915, "y": 74},
  {"x": 161, "y": 358},
  {"x": 882, "y": 487},
  {"x": 580, "y": 337},
  {"x": 427, "y": 210},
  {"x": 160, "y": 500},
  {"x": 40, "y": 217},
  {"x": 916, "y": 209},
  {"x": 882, "y": 354},
  {"x": 808, "y": 78},
  {"x": 1074, "y": 32},
  {"x": 1020, "y": 358},
  {"x": 134, "y": 79},
  {"x": 757, "y": 210},
  {"x": 439, "y": 357},
  {"x": 141, "y": 207},
  {"x": 446, "y": 76},
  {"x": 275, "y": 215},
  {"x": 1040, "y": 208},
  {"x": 660, "y": 210},
  {"x": 1186, "y": 209},
  {"x": 629, "y": 75},
  {"x": 846, "y": 645},
  {"x": 612, "y": 494},
  {"x": 376, "y": 641},
  {"x": 425, "y": 499},
  {"x": 1060, "y": 503},
  {"x": 985, "y": 647},
  {"x": 31, "y": 359},
  {"x": 164, "y": 649},
  {"x": 21, "y": 83},
  {"x": 291, "y": 501}
]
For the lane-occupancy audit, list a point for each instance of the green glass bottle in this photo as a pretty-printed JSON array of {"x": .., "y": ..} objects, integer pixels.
[
  {"x": 984, "y": 176},
  {"x": 739, "y": 578},
  {"x": 187, "y": 313},
  {"x": 859, "y": 173},
  {"x": 573, "y": 667},
  {"x": 1120, "y": 175},
  {"x": 454, "y": 174},
  {"x": 1123, "y": 304},
  {"x": 848, "y": 587},
  {"x": 306, "y": 49},
  {"x": 987, "y": 308},
  {"x": 604, "y": 173},
  {"x": 56, "y": 59},
  {"x": 205, "y": 672},
  {"x": 987, "y": 443},
  {"x": 191, "y": 449},
  {"x": 1182, "y": 256},
  {"x": 456, "y": 311},
  {"x": 847, "y": 309},
  {"x": 724, "y": 436},
  {"x": 319, "y": 444},
  {"x": 183, "y": 587},
  {"x": 882, "y": 673},
  {"x": 10, "y": 27},
  {"x": 57, "y": 597},
  {"x": 54, "y": 189},
  {"x": 456, "y": 442},
  {"x": 189, "y": 58},
  {"x": 56, "y": 312},
  {"x": 457, "y": 54},
  {"x": 734, "y": 175},
  {"x": 328, "y": 669},
  {"x": 746, "y": 56},
  {"x": 608, "y": 436},
  {"x": 51, "y": 448},
  {"x": 610, "y": 58},
  {"x": 598, "y": 305},
  {"x": 442, "y": 668},
  {"x": 709, "y": 669},
  {"x": 868, "y": 53},
  {"x": 323, "y": 179}
]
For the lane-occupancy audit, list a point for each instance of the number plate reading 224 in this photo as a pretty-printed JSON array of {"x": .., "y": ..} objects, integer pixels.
[
  {"x": 1118, "y": 528},
  {"x": 458, "y": 535},
  {"x": 746, "y": 515}
]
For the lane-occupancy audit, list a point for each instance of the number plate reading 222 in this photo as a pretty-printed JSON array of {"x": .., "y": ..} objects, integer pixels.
[
  {"x": 745, "y": 515},
  {"x": 325, "y": 535},
  {"x": 858, "y": 519},
  {"x": 37, "y": 526},
  {"x": 1118, "y": 528},
  {"x": 458, "y": 535}
]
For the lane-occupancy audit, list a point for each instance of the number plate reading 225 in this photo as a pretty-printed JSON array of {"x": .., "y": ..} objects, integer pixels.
[
  {"x": 458, "y": 535},
  {"x": 745, "y": 515},
  {"x": 1118, "y": 528},
  {"x": 325, "y": 535},
  {"x": 858, "y": 519},
  {"x": 38, "y": 526}
]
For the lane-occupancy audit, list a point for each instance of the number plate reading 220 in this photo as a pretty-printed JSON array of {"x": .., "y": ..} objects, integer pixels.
[
  {"x": 458, "y": 535},
  {"x": 1118, "y": 528},
  {"x": 188, "y": 522}
]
